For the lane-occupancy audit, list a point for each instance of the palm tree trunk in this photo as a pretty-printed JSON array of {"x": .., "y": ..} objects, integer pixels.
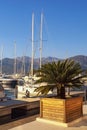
[
  {"x": 68, "y": 92},
  {"x": 58, "y": 92},
  {"x": 62, "y": 93}
]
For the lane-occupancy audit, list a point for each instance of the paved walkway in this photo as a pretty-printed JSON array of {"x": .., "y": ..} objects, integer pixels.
[
  {"x": 35, "y": 125},
  {"x": 16, "y": 123},
  {"x": 30, "y": 123}
]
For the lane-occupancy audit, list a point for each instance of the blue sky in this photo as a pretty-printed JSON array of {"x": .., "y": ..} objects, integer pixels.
[{"x": 64, "y": 27}]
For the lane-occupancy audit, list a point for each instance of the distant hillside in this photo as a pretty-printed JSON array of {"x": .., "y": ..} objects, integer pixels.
[
  {"x": 8, "y": 63},
  {"x": 82, "y": 60}
]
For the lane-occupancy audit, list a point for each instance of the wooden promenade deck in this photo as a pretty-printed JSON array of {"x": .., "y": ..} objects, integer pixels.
[{"x": 14, "y": 109}]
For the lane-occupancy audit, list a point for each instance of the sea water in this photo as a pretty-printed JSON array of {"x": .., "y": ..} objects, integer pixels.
[{"x": 10, "y": 93}]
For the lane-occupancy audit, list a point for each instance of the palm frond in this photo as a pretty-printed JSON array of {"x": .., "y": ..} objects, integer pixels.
[{"x": 60, "y": 74}]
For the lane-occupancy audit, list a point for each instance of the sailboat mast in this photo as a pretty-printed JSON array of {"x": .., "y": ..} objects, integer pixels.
[
  {"x": 1, "y": 58},
  {"x": 15, "y": 58},
  {"x": 41, "y": 42},
  {"x": 32, "y": 59},
  {"x": 24, "y": 65}
]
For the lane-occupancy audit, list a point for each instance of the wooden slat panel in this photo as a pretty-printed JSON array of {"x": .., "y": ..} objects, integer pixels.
[
  {"x": 61, "y": 110},
  {"x": 32, "y": 105},
  {"x": 5, "y": 112},
  {"x": 73, "y": 109},
  {"x": 52, "y": 109}
]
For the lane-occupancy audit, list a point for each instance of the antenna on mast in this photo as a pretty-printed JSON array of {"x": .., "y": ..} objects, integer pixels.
[
  {"x": 41, "y": 40},
  {"x": 32, "y": 59}
]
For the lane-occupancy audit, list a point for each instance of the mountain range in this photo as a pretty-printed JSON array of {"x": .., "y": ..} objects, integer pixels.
[{"x": 8, "y": 63}]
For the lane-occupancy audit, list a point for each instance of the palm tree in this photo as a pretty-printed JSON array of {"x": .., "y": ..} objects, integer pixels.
[{"x": 60, "y": 75}]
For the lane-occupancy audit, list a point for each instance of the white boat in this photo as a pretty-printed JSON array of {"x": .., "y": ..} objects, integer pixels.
[{"x": 26, "y": 87}]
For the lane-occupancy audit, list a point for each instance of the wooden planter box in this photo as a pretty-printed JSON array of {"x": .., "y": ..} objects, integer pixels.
[{"x": 61, "y": 110}]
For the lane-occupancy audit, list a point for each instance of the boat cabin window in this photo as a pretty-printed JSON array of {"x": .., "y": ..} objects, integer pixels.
[{"x": 21, "y": 82}]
